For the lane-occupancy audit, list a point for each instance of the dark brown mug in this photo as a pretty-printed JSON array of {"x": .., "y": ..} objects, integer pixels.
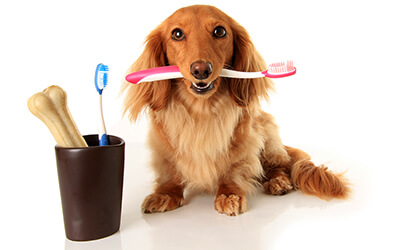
[{"x": 91, "y": 184}]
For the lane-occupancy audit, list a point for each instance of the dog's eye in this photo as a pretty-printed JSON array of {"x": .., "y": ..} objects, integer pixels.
[
  {"x": 219, "y": 32},
  {"x": 178, "y": 34}
]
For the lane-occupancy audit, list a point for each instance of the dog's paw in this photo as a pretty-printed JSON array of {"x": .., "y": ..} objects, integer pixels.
[
  {"x": 231, "y": 205},
  {"x": 155, "y": 203},
  {"x": 280, "y": 185}
]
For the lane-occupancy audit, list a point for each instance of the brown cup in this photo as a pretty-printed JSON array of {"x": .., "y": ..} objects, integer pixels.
[{"x": 91, "y": 181}]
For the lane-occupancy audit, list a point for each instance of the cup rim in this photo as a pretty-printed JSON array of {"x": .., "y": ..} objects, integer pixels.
[{"x": 121, "y": 143}]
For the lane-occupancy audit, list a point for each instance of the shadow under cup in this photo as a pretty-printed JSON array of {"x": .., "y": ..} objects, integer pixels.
[{"x": 91, "y": 184}]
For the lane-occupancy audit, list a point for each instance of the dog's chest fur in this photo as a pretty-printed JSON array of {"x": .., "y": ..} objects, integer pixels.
[{"x": 200, "y": 134}]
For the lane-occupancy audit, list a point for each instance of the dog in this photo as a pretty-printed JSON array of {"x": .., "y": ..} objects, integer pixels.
[{"x": 209, "y": 133}]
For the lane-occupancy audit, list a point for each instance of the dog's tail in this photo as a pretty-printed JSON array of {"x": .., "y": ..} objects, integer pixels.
[{"x": 316, "y": 180}]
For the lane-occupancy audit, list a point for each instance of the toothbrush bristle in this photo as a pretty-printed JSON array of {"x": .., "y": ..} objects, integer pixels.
[
  {"x": 105, "y": 79},
  {"x": 103, "y": 76},
  {"x": 281, "y": 67}
]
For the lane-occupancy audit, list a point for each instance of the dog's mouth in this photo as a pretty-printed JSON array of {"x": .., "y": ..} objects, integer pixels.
[{"x": 202, "y": 87}]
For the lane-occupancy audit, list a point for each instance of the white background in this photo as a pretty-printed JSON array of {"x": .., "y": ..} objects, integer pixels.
[{"x": 348, "y": 106}]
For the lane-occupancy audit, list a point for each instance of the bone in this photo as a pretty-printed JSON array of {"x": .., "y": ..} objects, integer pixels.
[{"x": 50, "y": 106}]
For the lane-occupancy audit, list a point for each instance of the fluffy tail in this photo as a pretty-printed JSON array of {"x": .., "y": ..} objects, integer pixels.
[{"x": 316, "y": 180}]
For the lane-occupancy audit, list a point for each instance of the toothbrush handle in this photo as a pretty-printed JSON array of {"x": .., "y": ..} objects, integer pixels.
[
  {"x": 103, "y": 138},
  {"x": 172, "y": 72},
  {"x": 154, "y": 74},
  {"x": 239, "y": 74}
]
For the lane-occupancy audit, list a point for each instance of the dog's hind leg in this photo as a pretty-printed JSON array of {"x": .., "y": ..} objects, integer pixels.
[
  {"x": 277, "y": 175},
  {"x": 275, "y": 160}
]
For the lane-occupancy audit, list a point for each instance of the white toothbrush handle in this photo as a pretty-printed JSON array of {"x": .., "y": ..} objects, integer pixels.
[
  {"x": 239, "y": 74},
  {"x": 102, "y": 124}
]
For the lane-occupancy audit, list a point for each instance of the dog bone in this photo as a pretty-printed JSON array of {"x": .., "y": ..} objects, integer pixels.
[
  {"x": 50, "y": 106},
  {"x": 59, "y": 98}
]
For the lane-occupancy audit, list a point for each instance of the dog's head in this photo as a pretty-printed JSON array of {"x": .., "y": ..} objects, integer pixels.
[{"x": 200, "y": 40}]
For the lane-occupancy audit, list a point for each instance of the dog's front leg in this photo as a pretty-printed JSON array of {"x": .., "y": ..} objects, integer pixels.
[
  {"x": 230, "y": 199},
  {"x": 167, "y": 196}
]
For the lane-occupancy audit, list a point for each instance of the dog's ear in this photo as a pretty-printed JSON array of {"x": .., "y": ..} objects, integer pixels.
[
  {"x": 151, "y": 95},
  {"x": 246, "y": 58}
]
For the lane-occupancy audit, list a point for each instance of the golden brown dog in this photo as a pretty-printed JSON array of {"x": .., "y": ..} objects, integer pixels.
[{"x": 209, "y": 133}]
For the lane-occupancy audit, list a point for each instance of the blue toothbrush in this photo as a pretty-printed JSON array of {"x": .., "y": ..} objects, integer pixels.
[{"x": 101, "y": 81}]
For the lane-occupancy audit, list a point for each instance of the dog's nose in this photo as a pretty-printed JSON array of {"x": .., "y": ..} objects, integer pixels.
[{"x": 201, "y": 70}]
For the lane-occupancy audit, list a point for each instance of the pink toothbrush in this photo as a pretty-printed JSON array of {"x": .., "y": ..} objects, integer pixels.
[{"x": 275, "y": 70}]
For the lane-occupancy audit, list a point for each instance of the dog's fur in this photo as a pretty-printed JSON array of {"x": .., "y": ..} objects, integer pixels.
[{"x": 218, "y": 141}]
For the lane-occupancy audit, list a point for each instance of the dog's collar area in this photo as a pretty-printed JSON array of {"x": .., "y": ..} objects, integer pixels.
[{"x": 202, "y": 88}]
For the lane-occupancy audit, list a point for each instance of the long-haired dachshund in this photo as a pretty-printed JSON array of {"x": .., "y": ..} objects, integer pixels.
[{"x": 209, "y": 133}]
